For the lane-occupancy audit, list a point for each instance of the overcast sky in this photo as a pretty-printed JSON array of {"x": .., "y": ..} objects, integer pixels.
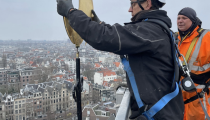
[{"x": 38, "y": 19}]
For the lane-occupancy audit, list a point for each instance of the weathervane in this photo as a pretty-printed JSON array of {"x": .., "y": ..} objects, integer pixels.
[{"x": 86, "y": 6}]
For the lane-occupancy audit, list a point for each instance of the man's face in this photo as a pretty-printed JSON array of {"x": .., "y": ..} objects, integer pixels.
[
  {"x": 183, "y": 23},
  {"x": 134, "y": 8}
]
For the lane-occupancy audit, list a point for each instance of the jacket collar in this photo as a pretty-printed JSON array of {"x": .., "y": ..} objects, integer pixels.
[
  {"x": 152, "y": 14},
  {"x": 190, "y": 37}
]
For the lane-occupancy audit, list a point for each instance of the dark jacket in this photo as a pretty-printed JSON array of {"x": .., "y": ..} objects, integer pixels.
[{"x": 149, "y": 52}]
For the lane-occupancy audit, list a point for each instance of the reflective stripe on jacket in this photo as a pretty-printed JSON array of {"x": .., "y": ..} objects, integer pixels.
[
  {"x": 198, "y": 63},
  {"x": 199, "y": 60}
]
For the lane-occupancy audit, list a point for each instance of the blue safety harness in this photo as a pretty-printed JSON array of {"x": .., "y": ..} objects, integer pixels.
[{"x": 149, "y": 114}]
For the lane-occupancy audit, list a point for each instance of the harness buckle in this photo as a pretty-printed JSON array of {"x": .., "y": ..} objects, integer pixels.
[
  {"x": 201, "y": 94},
  {"x": 145, "y": 109}
]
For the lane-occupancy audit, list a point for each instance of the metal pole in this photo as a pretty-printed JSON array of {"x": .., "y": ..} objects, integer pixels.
[{"x": 78, "y": 90}]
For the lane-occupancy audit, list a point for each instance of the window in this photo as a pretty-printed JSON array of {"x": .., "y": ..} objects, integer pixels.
[
  {"x": 16, "y": 111},
  {"x": 16, "y": 106},
  {"x": 88, "y": 112},
  {"x": 19, "y": 111},
  {"x": 19, "y": 101},
  {"x": 20, "y": 106},
  {"x": 16, "y": 117},
  {"x": 103, "y": 113}
]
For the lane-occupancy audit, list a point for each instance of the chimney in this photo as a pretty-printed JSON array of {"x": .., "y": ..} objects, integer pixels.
[{"x": 36, "y": 82}]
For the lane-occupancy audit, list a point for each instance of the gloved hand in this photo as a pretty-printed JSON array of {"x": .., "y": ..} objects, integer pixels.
[
  {"x": 63, "y": 7},
  {"x": 95, "y": 17}
]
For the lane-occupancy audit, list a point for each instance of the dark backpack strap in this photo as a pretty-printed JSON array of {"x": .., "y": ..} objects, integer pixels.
[
  {"x": 200, "y": 95},
  {"x": 200, "y": 31},
  {"x": 174, "y": 50}
]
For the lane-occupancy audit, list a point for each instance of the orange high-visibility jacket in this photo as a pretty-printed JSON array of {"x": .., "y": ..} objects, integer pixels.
[{"x": 198, "y": 63}]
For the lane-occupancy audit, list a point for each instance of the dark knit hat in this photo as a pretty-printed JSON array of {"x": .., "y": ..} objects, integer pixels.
[{"x": 190, "y": 13}]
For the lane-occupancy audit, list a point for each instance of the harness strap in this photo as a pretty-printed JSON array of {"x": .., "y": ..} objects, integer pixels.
[
  {"x": 157, "y": 106},
  {"x": 131, "y": 76},
  {"x": 175, "y": 50},
  {"x": 196, "y": 53},
  {"x": 161, "y": 103},
  {"x": 190, "y": 49},
  {"x": 139, "y": 3},
  {"x": 187, "y": 56},
  {"x": 200, "y": 94},
  {"x": 175, "y": 88},
  {"x": 204, "y": 109}
]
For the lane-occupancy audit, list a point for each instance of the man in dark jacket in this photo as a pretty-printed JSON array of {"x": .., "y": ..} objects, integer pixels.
[{"x": 147, "y": 46}]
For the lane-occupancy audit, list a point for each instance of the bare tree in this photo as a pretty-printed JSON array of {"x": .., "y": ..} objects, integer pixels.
[
  {"x": 87, "y": 67},
  {"x": 89, "y": 74}
]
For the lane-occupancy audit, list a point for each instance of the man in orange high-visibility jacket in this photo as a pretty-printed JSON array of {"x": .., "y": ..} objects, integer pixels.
[{"x": 194, "y": 44}]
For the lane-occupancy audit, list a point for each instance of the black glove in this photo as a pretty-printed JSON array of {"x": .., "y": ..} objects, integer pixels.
[
  {"x": 95, "y": 18},
  {"x": 63, "y": 7}
]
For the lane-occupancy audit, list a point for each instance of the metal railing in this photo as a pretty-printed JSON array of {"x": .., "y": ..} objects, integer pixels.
[{"x": 124, "y": 109}]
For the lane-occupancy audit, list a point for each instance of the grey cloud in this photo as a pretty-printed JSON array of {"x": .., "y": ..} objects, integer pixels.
[{"x": 38, "y": 19}]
